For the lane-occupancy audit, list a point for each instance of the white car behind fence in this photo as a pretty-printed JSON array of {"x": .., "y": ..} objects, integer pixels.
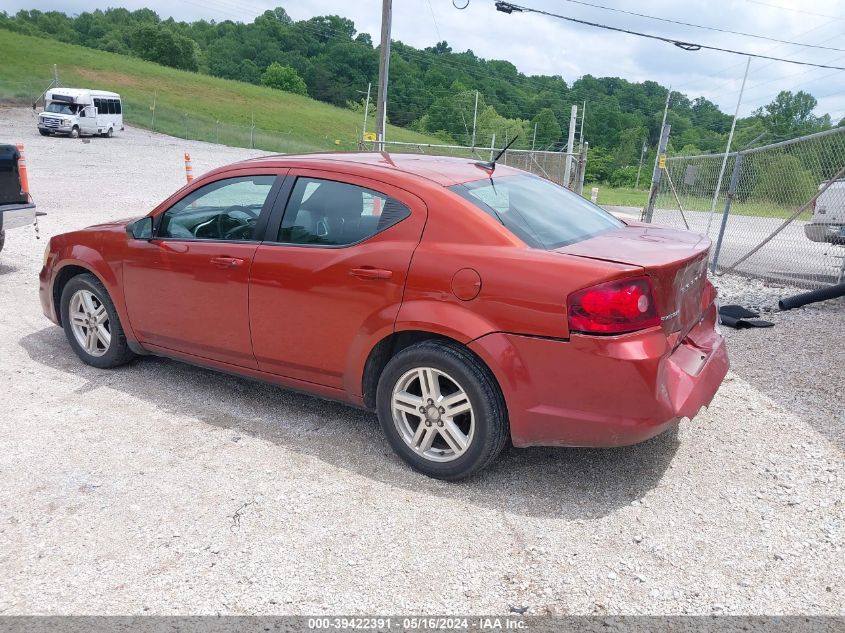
[{"x": 828, "y": 221}]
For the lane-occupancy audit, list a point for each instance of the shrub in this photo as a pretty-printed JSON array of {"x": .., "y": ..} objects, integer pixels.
[{"x": 283, "y": 78}]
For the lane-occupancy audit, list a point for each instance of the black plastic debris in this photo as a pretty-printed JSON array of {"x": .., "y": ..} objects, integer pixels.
[{"x": 739, "y": 318}]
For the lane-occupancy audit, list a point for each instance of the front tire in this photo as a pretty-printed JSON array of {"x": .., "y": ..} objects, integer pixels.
[
  {"x": 74, "y": 133},
  {"x": 442, "y": 410},
  {"x": 91, "y": 323}
]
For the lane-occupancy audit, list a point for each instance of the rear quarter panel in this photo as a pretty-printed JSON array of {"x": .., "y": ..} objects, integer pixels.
[{"x": 522, "y": 290}]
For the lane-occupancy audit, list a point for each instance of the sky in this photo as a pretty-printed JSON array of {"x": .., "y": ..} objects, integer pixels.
[{"x": 538, "y": 44}]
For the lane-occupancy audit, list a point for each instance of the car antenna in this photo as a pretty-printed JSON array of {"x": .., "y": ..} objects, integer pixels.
[{"x": 491, "y": 164}]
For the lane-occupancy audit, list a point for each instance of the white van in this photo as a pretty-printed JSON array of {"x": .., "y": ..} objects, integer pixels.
[
  {"x": 76, "y": 112},
  {"x": 828, "y": 221}
]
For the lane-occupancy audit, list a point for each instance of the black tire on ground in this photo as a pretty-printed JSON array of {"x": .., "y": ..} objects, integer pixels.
[
  {"x": 118, "y": 352},
  {"x": 74, "y": 133},
  {"x": 44, "y": 132},
  {"x": 489, "y": 410},
  {"x": 110, "y": 133},
  {"x": 2, "y": 238}
]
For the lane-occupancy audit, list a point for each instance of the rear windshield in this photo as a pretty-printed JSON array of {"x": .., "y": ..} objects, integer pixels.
[{"x": 539, "y": 212}]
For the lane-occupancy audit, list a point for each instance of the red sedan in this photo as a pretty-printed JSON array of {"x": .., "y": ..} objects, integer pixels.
[{"x": 467, "y": 305}]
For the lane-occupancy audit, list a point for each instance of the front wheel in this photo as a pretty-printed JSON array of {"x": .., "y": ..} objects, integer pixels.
[
  {"x": 74, "y": 133},
  {"x": 441, "y": 410},
  {"x": 91, "y": 323}
]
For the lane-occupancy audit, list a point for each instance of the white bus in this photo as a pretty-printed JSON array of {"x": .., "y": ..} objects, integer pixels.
[{"x": 76, "y": 112}]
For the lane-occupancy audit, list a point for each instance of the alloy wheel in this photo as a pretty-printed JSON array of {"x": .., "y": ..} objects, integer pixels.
[
  {"x": 89, "y": 322},
  {"x": 433, "y": 414}
]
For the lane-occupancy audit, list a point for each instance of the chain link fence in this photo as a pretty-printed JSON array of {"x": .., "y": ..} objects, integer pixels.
[
  {"x": 546, "y": 164},
  {"x": 775, "y": 212}
]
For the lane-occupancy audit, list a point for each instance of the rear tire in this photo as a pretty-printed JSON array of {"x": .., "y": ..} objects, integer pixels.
[
  {"x": 110, "y": 133},
  {"x": 91, "y": 323},
  {"x": 442, "y": 410}
]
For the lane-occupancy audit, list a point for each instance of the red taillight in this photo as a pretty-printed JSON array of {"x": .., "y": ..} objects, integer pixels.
[{"x": 614, "y": 307}]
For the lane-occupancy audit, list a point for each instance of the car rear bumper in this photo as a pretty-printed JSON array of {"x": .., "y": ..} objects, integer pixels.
[
  {"x": 825, "y": 233},
  {"x": 13, "y": 216},
  {"x": 604, "y": 391}
]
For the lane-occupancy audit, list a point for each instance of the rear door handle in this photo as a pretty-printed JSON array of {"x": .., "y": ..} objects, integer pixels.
[
  {"x": 367, "y": 272},
  {"x": 226, "y": 262}
]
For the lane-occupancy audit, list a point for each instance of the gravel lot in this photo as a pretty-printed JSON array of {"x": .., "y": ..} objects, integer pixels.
[{"x": 161, "y": 488}]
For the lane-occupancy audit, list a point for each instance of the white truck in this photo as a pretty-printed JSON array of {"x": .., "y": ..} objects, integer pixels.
[
  {"x": 76, "y": 112},
  {"x": 828, "y": 221}
]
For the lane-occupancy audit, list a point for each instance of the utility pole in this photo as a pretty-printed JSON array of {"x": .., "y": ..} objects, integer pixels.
[
  {"x": 640, "y": 168},
  {"x": 534, "y": 139},
  {"x": 474, "y": 119},
  {"x": 366, "y": 113},
  {"x": 567, "y": 170},
  {"x": 727, "y": 149},
  {"x": 583, "y": 116},
  {"x": 383, "y": 71},
  {"x": 648, "y": 211},
  {"x": 56, "y": 83}
]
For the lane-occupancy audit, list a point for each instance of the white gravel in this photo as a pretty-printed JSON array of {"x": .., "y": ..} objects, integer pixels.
[{"x": 160, "y": 488}]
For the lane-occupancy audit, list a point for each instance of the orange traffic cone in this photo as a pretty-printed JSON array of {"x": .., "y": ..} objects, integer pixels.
[
  {"x": 22, "y": 173},
  {"x": 189, "y": 168}
]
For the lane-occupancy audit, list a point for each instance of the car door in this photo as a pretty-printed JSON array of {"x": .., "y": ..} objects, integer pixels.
[
  {"x": 88, "y": 120},
  {"x": 187, "y": 289},
  {"x": 328, "y": 280}
]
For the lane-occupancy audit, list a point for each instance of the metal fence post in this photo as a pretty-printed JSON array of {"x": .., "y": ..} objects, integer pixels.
[
  {"x": 648, "y": 212},
  {"x": 582, "y": 167},
  {"x": 728, "y": 202}
]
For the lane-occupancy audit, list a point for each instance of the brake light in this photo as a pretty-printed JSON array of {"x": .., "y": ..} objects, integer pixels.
[{"x": 615, "y": 307}]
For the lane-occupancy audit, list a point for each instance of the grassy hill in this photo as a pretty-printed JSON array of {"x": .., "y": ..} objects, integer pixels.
[{"x": 283, "y": 121}]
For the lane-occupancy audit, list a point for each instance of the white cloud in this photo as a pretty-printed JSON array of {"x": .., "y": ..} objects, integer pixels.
[{"x": 538, "y": 44}]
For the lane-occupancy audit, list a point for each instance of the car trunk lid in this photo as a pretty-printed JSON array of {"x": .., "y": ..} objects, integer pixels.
[{"x": 675, "y": 261}]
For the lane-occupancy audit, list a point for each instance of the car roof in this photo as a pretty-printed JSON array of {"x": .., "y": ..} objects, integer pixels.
[{"x": 444, "y": 170}]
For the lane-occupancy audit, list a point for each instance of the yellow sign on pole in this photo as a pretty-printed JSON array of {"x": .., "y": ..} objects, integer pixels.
[
  {"x": 370, "y": 137},
  {"x": 662, "y": 162}
]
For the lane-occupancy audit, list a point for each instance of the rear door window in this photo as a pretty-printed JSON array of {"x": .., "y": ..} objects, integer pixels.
[
  {"x": 332, "y": 213},
  {"x": 539, "y": 212}
]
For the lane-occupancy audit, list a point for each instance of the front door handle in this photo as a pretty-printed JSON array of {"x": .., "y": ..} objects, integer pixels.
[
  {"x": 226, "y": 262},
  {"x": 368, "y": 272}
]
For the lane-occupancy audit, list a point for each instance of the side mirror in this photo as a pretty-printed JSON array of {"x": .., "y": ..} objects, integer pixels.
[{"x": 141, "y": 229}]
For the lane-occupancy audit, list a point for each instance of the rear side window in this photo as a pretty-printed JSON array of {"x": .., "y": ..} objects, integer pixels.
[
  {"x": 111, "y": 106},
  {"x": 331, "y": 213},
  {"x": 539, "y": 212}
]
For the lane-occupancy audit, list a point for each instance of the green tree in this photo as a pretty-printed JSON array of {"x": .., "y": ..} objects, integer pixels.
[
  {"x": 785, "y": 181},
  {"x": 160, "y": 44},
  {"x": 791, "y": 115},
  {"x": 283, "y": 78},
  {"x": 548, "y": 128}
]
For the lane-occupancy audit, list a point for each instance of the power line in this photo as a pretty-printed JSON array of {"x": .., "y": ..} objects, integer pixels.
[
  {"x": 434, "y": 19},
  {"x": 700, "y": 26},
  {"x": 507, "y": 7},
  {"x": 783, "y": 8}
]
